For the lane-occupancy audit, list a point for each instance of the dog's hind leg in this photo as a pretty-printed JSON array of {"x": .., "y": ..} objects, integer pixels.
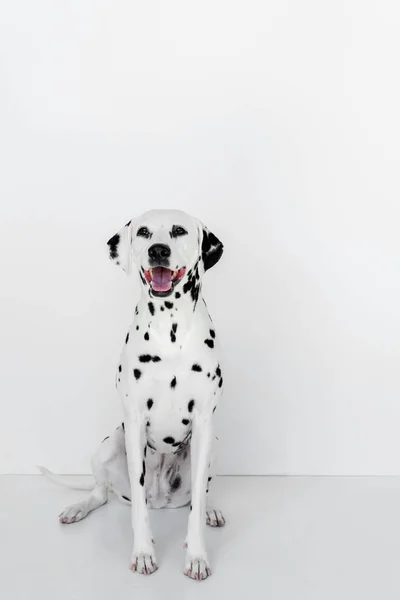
[{"x": 109, "y": 449}]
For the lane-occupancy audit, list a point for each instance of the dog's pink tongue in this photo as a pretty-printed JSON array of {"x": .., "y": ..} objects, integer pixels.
[{"x": 161, "y": 281}]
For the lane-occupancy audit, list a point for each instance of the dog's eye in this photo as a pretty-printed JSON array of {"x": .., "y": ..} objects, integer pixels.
[
  {"x": 177, "y": 230},
  {"x": 143, "y": 232}
]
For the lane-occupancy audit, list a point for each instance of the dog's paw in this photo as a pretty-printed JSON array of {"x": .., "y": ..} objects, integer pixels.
[
  {"x": 197, "y": 568},
  {"x": 215, "y": 518},
  {"x": 144, "y": 563},
  {"x": 73, "y": 513}
]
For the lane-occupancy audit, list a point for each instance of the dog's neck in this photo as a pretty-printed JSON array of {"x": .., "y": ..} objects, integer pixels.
[{"x": 177, "y": 311}]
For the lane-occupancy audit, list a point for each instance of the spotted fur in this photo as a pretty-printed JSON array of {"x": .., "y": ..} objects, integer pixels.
[{"x": 170, "y": 382}]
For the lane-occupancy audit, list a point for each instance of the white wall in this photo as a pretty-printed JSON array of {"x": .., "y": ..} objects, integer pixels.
[{"x": 277, "y": 123}]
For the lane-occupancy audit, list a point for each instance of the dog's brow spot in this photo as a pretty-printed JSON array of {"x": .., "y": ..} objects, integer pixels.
[
  {"x": 177, "y": 295},
  {"x": 137, "y": 373},
  {"x": 190, "y": 405},
  {"x": 151, "y": 308},
  {"x": 209, "y": 343},
  {"x": 221, "y": 382},
  {"x": 169, "y": 440},
  {"x": 169, "y": 304},
  {"x": 212, "y": 333},
  {"x": 196, "y": 368},
  {"x": 149, "y": 403},
  {"x": 119, "y": 368},
  {"x": 185, "y": 421},
  {"x": 146, "y": 336},
  {"x": 127, "y": 338},
  {"x": 173, "y": 382},
  {"x": 126, "y": 498}
]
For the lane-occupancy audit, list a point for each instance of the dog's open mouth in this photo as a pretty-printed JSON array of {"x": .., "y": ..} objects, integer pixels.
[{"x": 163, "y": 280}]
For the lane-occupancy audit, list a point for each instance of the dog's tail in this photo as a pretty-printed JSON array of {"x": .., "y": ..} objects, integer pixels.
[{"x": 64, "y": 482}]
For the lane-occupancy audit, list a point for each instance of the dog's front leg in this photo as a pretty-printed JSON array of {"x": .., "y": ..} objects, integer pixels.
[
  {"x": 197, "y": 566},
  {"x": 143, "y": 556}
]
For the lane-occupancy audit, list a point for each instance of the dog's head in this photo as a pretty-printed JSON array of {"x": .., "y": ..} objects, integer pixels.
[{"x": 169, "y": 248}]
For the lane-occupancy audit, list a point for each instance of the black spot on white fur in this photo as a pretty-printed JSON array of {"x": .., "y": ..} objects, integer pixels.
[
  {"x": 173, "y": 383},
  {"x": 137, "y": 373},
  {"x": 211, "y": 249},
  {"x": 176, "y": 483},
  {"x": 169, "y": 440},
  {"x": 113, "y": 245},
  {"x": 173, "y": 332},
  {"x": 144, "y": 358},
  {"x": 196, "y": 368}
]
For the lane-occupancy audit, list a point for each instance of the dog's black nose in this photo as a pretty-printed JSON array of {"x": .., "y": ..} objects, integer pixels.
[{"x": 159, "y": 252}]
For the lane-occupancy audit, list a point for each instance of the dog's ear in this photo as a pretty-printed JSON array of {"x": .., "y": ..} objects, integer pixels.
[
  {"x": 211, "y": 248},
  {"x": 119, "y": 247}
]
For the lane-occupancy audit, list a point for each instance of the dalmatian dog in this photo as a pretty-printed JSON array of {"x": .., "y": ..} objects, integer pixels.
[{"x": 169, "y": 380}]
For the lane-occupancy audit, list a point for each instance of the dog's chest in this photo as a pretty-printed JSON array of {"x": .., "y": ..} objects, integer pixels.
[{"x": 169, "y": 385}]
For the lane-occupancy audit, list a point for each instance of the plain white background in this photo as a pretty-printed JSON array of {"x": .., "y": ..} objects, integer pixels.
[{"x": 277, "y": 123}]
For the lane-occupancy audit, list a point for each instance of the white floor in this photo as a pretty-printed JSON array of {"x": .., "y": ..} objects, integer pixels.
[{"x": 286, "y": 538}]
